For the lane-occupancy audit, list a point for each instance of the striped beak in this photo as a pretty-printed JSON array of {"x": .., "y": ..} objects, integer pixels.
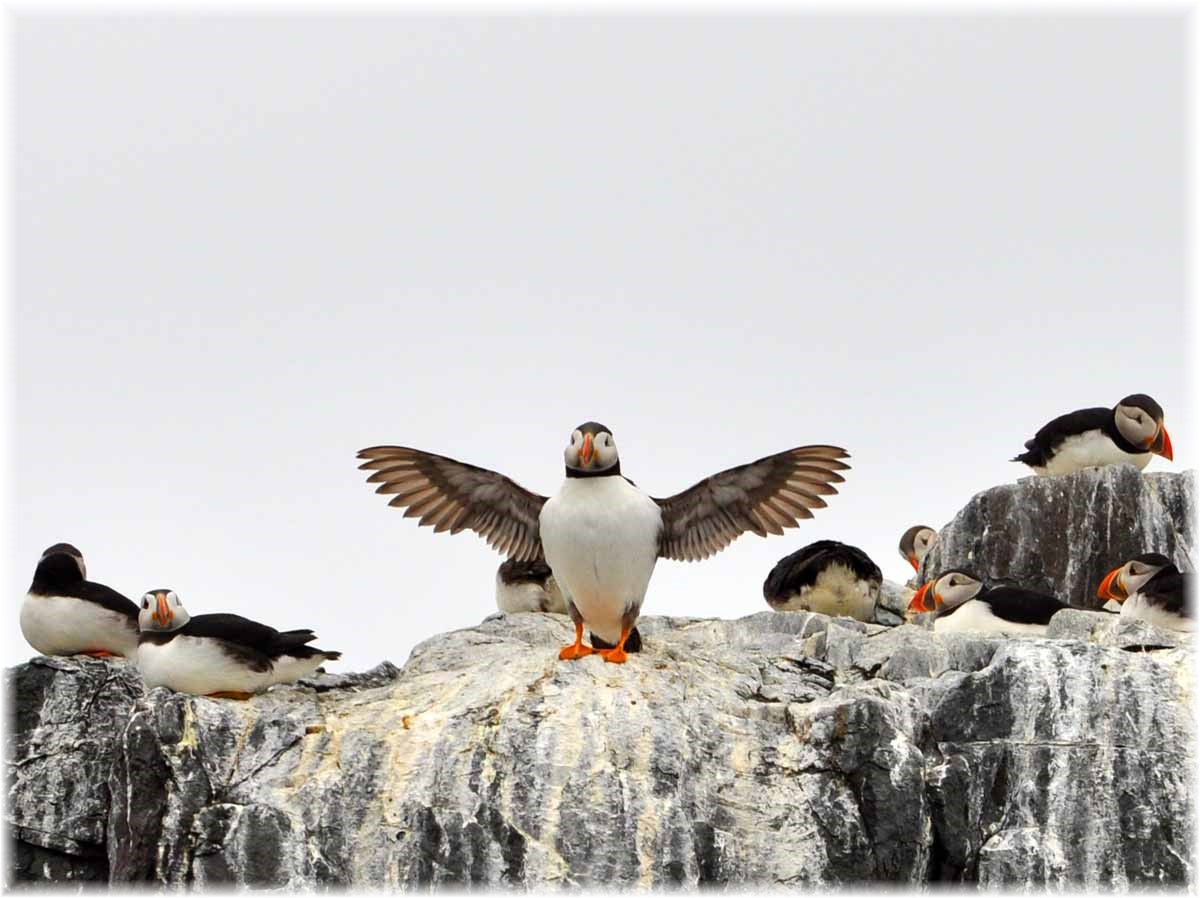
[
  {"x": 912, "y": 559},
  {"x": 162, "y": 614},
  {"x": 1162, "y": 444},
  {"x": 585, "y": 454},
  {"x": 924, "y": 599},
  {"x": 1111, "y": 586}
]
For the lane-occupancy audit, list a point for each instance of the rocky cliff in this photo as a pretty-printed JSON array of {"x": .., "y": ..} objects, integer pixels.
[
  {"x": 1061, "y": 535},
  {"x": 773, "y": 749}
]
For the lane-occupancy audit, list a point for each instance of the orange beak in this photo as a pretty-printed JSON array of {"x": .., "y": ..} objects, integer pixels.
[
  {"x": 585, "y": 454},
  {"x": 1164, "y": 441},
  {"x": 162, "y": 614},
  {"x": 912, "y": 559},
  {"x": 1112, "y": 588},
  {"x": 922, "y": 600}
]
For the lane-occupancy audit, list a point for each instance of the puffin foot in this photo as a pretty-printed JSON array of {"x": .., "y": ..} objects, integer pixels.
[
  {"x": 240, "y": 696},
  {"x": 617, "y": 655},
  {"x": 576, "y": 649},
  {"x": 99, "y": 653}
]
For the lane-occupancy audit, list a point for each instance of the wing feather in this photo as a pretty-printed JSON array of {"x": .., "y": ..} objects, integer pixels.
[
  {"x": 453, "y": 496},
  {"x": 764, "y": 497}
]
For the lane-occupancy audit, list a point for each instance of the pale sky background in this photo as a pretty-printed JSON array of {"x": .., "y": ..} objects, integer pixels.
[{"x": 246, "y": 247}]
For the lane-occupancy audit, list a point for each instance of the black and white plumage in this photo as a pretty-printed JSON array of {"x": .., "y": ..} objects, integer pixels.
[
  {"x": 1151, "y": 588},
  {"x": 528, "y": 586},
  {"x": 600, "y": 534},
  {"x": 826, "y": 576},
  {"x": 915, "y": 544},
  {"x": 64, "y": 613},
  {"x": 218, "y": 654},
  {"x": 1129, "y": 433},
  {"x": 965, "y": 604}
]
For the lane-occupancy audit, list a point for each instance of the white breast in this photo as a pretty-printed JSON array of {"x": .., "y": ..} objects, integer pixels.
[
  {"x": 198, "y": 666},
  {"x": 1137, "y": 608},
  {"x": 836, "y": 592},
  {"x": 600, "y": 535},
  {"x": 1090, "y": 449},
  {"x": 977, "y": 617},
  {"x": 61, "y": 625}
]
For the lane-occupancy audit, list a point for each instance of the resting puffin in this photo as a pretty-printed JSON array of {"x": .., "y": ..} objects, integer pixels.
[
  {"x": 1150, "y": 588},
  {"x": 826, "y": 576},
  {"x": 528, "y": 586},
  {"x": 964, "y": 604},
  {"x": 600, "y": 534},
  {"x": 219, "y": 655},
  {"x": 916, "y": 543},
  {"x": 1129, "y": 433},
  {"x": 64, "y": 613}
]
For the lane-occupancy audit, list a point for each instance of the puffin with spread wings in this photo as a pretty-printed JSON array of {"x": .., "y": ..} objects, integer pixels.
[{"x": 600, "y": 534}]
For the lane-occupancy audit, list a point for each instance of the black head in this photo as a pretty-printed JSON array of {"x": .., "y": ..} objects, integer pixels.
[
  {"x": 1152, "y": 559},
  {"x": 592, "y": 452},
  {"x": 60, "y": 566},
  {"x": 1145, "y": 403}
]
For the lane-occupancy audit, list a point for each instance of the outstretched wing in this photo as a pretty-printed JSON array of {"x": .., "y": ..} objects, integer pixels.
[
  {"x": 762, "y": 497},
  {"x": 450, "y": 495}
]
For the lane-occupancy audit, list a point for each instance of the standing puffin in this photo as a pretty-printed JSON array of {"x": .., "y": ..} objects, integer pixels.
[
  {"x": 1150, "y": 588},
  {"x": 600, "y": 534},
  {"x": 916, "y": 543},
  {"x": 1129, "y": 433},
  {"x": 528, "y": 586},
  {"x": 64, "y": 613},
  {"x": 963, "y": 604},
  {"x": 219, "y": 655},
  {"x": 826, "y": 576}
]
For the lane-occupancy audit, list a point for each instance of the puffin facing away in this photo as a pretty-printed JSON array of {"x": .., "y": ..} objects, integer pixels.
[
  {"x": 64, "y": 613},
  {"x": 916, "y": 543},
  {"x": 600, "y": 534},
  {"x": 1131, "y": 432},
  {"x": 826, "y": 576},
  {"x": 1150, "y": 588},
  {"x": 964, "y": 604},
  {"x": 528, "y": 586},
  {"x": 219, "y": 655}
]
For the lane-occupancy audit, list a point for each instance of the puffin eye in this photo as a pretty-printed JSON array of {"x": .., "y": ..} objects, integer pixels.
[{"x": 146, "y": 600}]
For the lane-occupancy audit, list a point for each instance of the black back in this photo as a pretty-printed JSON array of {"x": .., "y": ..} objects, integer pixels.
[
  {"x": 1169, "y": 590},
  {"x": 58, "y": 575},
  {"x": 1021, "y": 606},
  {"x": 1046, "y": 441},
  {"x": 514, "y": 571},
  {"x": 802, "y": 568},
  {"x": 256, "y": 641}
]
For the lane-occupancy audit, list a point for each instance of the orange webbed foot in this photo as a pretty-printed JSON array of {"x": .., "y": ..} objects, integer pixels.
[
  {"x": 239, "y": 696},
  {"x": 575, "y": 651},
  {"x": 614, "y": 656},
  {"x": 100, "y": 653}
]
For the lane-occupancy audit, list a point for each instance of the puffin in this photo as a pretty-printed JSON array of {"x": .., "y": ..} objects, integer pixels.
[
  {"x": 600, "y": 533},
  {"x": 218, "y": 655},
  {"x": 1130, "y": 432},
  {"x": 915, "y": 544},
  {"x": 528, "y": 586},
  {"x": 1151, "y": 588},
  {"x": 826, "y": 576},
  {"x": 964, "y": 604},
  {"x": 64, "y": 613}
]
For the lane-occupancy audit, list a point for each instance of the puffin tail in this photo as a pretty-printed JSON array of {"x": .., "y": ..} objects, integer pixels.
[{"x": 290, "y": 639}]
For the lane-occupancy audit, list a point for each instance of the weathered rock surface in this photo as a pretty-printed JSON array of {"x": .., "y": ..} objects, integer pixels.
[
  {"x": 1061, "y": 535},
  {"x": 774, "y": 749}
]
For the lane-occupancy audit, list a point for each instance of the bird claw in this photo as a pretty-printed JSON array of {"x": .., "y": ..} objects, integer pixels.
[{"x": 575, "y": 651}]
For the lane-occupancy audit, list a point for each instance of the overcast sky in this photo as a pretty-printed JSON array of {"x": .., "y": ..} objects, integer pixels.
[{"x": 247, "y": 247}]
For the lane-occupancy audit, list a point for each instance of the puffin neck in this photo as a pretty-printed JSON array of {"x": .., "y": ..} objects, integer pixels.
[{"x": 614, "y": 471}]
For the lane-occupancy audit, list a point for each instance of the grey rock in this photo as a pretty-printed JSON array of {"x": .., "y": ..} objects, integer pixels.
[
  {"x": 1061, "y": 535},
  {"x": 778, "y": 749}
]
